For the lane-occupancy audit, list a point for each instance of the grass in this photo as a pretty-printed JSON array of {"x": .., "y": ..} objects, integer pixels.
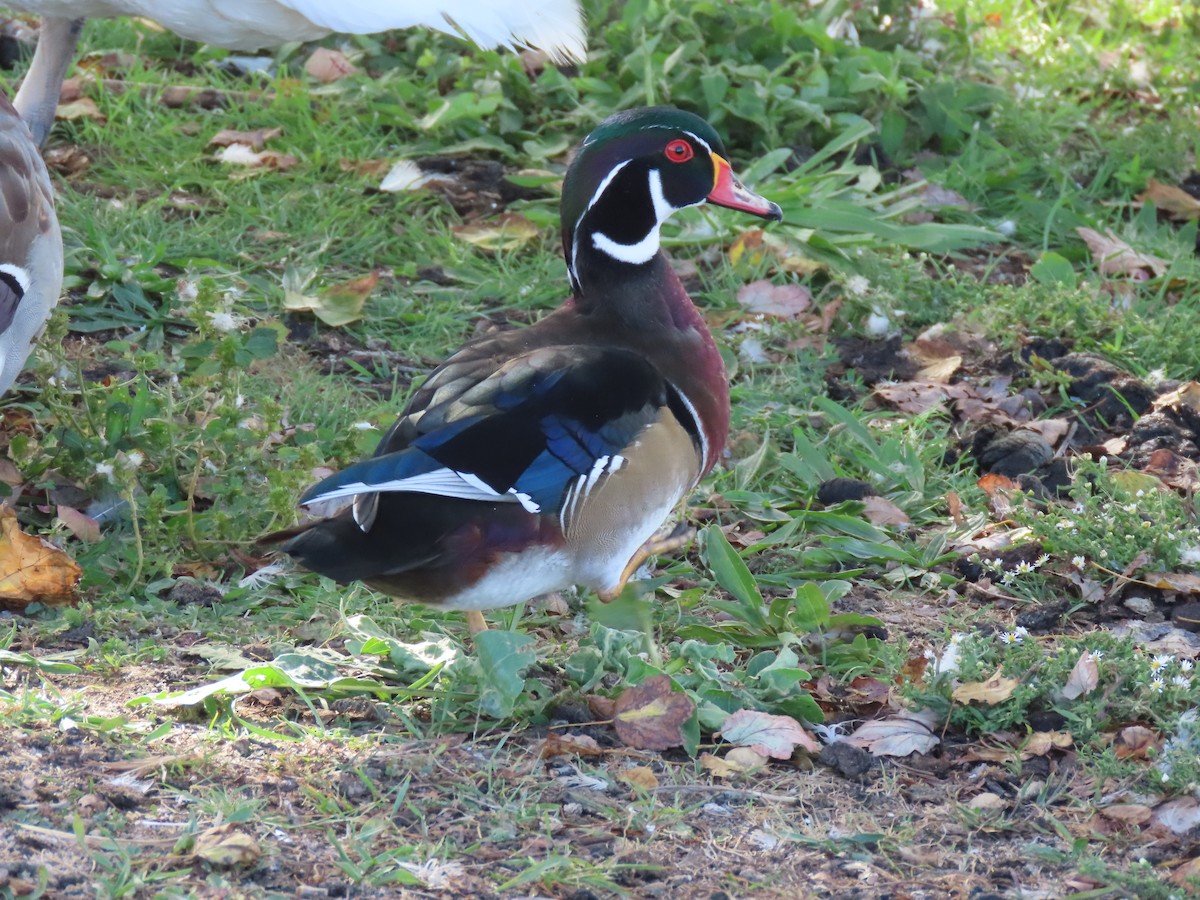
[{"x": 337, "y": 740}]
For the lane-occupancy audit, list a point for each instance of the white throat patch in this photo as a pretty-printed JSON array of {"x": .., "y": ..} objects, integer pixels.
[{"x": 645, "y": 249}]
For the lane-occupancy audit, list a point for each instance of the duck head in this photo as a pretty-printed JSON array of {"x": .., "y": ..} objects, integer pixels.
[{"x": 631, "y": 173}]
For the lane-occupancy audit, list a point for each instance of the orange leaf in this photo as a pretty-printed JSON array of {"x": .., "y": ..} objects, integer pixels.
[{"x": 33, "y": 570}]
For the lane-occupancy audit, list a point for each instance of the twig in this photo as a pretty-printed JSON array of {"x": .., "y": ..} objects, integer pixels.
[{"x": 95, "y": 842}]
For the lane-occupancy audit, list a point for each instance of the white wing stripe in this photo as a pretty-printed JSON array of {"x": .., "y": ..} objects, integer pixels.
[{"x": 441, "y": 482}]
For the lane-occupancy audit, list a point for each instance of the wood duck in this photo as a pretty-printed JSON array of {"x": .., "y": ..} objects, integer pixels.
[
  {"x": 31, "y": 249},
  {"x": 554, "y": 26},
  {"x": 549, "y": 456}
]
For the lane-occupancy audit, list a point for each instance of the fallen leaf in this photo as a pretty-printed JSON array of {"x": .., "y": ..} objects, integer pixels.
[
  {"x": 83, "y": 108},
  {"x": 1115, "y": 257},
  {"x": 33, "y": 570},
  {"x": 881, "y": 511},
  {"x": 406, "y": 175},
  {"x": 569, "y": 745},
  {"x": 1175, "y": 202},
  {"x": 328, "y": 65},
  {"x": 651, "y": 715},
  {"x": 770, "y": 735},
  {"x": 226, "y": 847},
  {"x": 9, "y": 474},
  {"x": 1042, "y": 742},
  {"x": 1179, "y": 816},
  {"x": 336, "y": 305},
  {"x": 639, "y": 777},
  {"x": 899, "y": 735},
  {"x": 987, "y": 801},
  {"x": 940, "y": 370},
  {"x": 1186, "y": 396},
  {"x": 602, "y": 708},
  {"x": 1083, "y": 678},
  {"x": 1127, "y": 813},
  {"x": 738, "y": 761},
  {"x": 1135, "y": 742},
  {"x": 507, "y": 231},
  {"x": 1187, "y": 874},
  {"x": 255, "y": 139},
  {"x": 920, "y": 396},
  {"x": 243, "y": 155},
  {"x": 83, "y": 527},
  {"x": 1181, "y": 582},
  {"x": 784, "y": 301},
  {"x": 995, "y": 690}
]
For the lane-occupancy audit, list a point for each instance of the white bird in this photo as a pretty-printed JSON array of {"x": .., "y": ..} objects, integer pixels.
[
  {"x": 31, "y": 250},
  {"x": 553, "y": 26}
]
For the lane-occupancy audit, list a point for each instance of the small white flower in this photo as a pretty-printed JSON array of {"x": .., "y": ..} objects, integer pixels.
[
  {"x": 996, "y": 562},
  {"x": 105, "y": 469},
  {"x": 1008, "y": 638},
  {"x": 1157, "y": 685},
  {"x": 1161, "y": 662},
  {"x": 857, "y": 285},
  {"x": 1041, "y": 560},
  {"x": 1181, "y": 680},
  {"x": 224, "y": 321},
  {"x": 1077, "y": 508},
  {"x": 1186, "y": 664},
  {"x": 1063, "y": 524},
  {"x": 133, "y": 459},
  {"x": 1079, "y": 561},
  {"x": 363, "y": 426},
  {"x": 187, "y": 290},
  {"x": 1097, "y": 654},
  {"x": 1009, "y": 578},
  {"x": 239, "y": 401},
  {"x": 1140, "y": 493},
  {"x": 1021, "y": 632},
  {"x": 1023, "y": 568}
]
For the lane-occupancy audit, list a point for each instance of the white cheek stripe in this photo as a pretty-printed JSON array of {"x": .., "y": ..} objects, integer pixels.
[
  {"x": 21, "y": 276},
  {"x": 645, "y": 249}
]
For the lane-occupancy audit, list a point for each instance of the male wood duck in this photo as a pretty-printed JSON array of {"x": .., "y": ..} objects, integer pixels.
[
  {"x": 554, "y": 26},
  {"x": 31, "y": 250},
  {"x": 549, "y": 456}
]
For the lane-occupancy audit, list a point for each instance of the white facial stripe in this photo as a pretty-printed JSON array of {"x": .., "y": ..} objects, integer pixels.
[
  {"x": 645, "y": 249},
  {"x": 20, "y": 275},
  {"x": 699, "y": 140}
]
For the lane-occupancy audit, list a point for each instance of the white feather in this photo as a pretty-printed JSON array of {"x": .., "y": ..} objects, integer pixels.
[
  {"x": 441, "y": 482},
  {"x": 555, "y": 26}
]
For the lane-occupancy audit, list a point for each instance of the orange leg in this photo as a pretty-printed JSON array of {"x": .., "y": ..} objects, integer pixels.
[
  {"x": 475, "y": 622},
  {"x": 662, "y": 542}
]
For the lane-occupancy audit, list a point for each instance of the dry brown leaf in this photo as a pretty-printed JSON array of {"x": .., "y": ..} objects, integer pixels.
[
  {"x": 639, "y": 777},
  {"x": 1181, "y": 582},
  {"x": 507, "y": 231},
  {"x": 9, "y": 474},
  {"x": 83, "y": 108},
  {"x": 569, "y": 745},
  {"x": 255, "y": 139},
  {"x": 940, "y": 370},
  {"x": 773, "y": 736},
  {"x": 783, "y": 301},
  {"x": 1127, "y": 813},
  {"x": 1188, "y": 874},
  {"x": 1135, "y": 742},
  {"x": 1083, "y": 678},
  {"x": 226, "y": 847},
  {"x": 987, "y": 801},
  {"x": 651, "y": 715},
  {"x": 881, "y": 511},
  {"x": 603, "y": 708},
  {"x": 954, "y": 506},
  {"x": 1115, "y": 257},
  {"x": 995, "y": 690},
  {"x": 243, "y": 155},
  {"x": 83, "y": 527},
  {"x": 1053, "y": 430},
  {"x": 1187, "y": 396},
  {"x": 899, "y": 735},
  {"x": 1175, "y": 202},
  {"x": 1042, "y": 742},
  {"x": 33, "y": 570},
  {"x": 326, "y": 65},
  {"x": 920, "y": 396}
]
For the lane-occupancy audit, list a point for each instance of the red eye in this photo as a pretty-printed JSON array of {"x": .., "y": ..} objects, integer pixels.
[{"x": 679, "y": 151}]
